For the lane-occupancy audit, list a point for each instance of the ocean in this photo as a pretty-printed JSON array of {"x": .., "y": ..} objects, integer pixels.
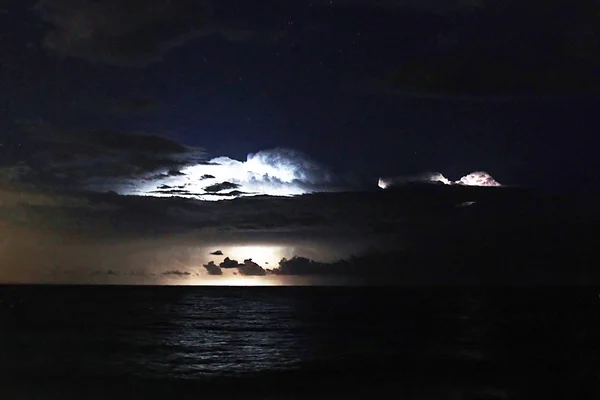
[{"x": 80, "y": 342}]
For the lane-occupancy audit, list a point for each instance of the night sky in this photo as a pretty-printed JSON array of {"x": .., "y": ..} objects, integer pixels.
[
  {"x": 370, "y": 87},
  {"x": 214, "y": 100}
]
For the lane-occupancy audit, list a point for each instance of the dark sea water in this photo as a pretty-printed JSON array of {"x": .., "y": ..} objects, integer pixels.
[{"x": 285, "y": 342}]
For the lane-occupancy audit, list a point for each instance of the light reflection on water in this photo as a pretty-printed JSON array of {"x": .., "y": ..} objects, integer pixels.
[
  {"x": 478, "y": 345},
  {"x": 222, "y": 335}
]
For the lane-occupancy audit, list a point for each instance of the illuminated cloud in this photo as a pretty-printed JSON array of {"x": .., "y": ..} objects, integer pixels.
[
  {"x": 428, "y": 177},
  {"x": 229, "y": 263},
  {"x": 276, "y": 172},
  {"x": 478, "y": 178},
  {"x": 250, "y": 268}
]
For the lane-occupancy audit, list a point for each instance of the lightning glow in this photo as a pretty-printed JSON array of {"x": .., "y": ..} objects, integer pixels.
[
  {"x": 478, "y": 178},
  {"x": 278, "y": 172}
]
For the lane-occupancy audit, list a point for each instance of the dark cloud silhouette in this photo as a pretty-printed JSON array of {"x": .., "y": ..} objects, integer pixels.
[
  {"x": 89, "y": 158},
  {"x": 229, "y": 263},
  {"x": 170, "y": 173},
  {"x": 133, "y": 32},
  {"x": 300, "y": 266},
  {"x": 177, "y": 273},
  {"x": 250, "y": 268},
  {"x": 433, "y": 240},
  {"x": 14, "y": 173},
  {"x": 217, "y": 253},
  {"x": 213, "y": 269},
  {"x": 219, "y": 187},
  {"x": 109, "y": 272}
]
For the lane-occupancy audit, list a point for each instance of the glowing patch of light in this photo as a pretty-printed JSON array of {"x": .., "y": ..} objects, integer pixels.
[
  {"x": 278, "y": 172},
  {"x": 478, "y": 178},
  {"x": 244, "y": 281},
  {"x": 264, "y": 255},
  {"x": 430, "y": 177}
]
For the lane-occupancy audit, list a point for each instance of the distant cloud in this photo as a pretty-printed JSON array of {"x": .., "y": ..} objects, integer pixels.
[
  {"x": 177, "y": 273},
  {"x": 250, "y": 268},
  {"x": 109, "y": 272},
  {"x": 229, "y": 263},
  {"x": 432, "y": 240},
  {"x": 428, "y": 177},
  {"x": 218, "y": 187},
  {"x": 213, "y": 269},
  {"x": 217, "y": 253},
  {"x": 278, "y": 171},
  {"x": 477, "y": 178},
  {"x": 103, "y": 160}
]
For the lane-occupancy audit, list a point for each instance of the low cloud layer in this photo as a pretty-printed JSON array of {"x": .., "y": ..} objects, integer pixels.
[
  {"x": 278, "y": 171},
  {"x": 422, "y": 236},
  {"x": 101, "y": 160},
  {"x": 154, "y": 165},
  {"x": 478, "y": 178}
]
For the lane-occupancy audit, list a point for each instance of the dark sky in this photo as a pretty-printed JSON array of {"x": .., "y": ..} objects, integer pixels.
[
  {"x": 139, "y": 97},
  {"x": 375, "y": 87}
]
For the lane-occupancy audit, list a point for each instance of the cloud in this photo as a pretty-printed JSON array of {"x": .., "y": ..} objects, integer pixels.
[
  {"x": 213, "y": 269},
  {"x": 279, "y": 171},
  {"x": 217, "y": 253},
  {"x": 177, "y": 273},
  {"x": 250, "y": 268},
  {"x": 478, "y": 178},
  {"x": 422, "y": 237},
  {"x": 428, "y": 177},
  {"x": 102, "y": 160},
  {"x": 229, "y": 263},
  {"x": 133, "y": 32},
  {"x": 14, "y": 173},
  {"x": 109, "y": 272},
  {"x": 219, "y": 187},
  {"x": 300, "y": 266}
]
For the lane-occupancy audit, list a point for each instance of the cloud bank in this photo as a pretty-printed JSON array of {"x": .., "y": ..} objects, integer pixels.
[
  {"x": 277, "y": 172},
  {"x": 478, "y": 178}
]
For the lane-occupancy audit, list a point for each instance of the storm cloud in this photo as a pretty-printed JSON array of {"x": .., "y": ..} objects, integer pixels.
[
  {"x": 250, "y": 268},
  {"x": 421, "y": 235},
  {"x": 99, "y": 159},
  {"x": 278, "y": 171},
  {"x": 212, "y": 268}
]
